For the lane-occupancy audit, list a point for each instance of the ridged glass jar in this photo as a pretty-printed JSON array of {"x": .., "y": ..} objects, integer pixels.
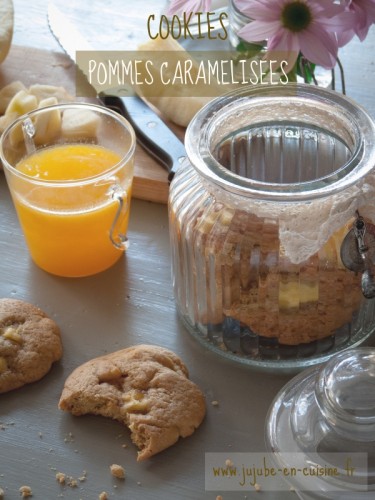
[{"x": 275, "y": 179}]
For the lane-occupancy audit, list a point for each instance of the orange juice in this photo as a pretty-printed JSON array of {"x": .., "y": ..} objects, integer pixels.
[{"x": 68, "y": 216}]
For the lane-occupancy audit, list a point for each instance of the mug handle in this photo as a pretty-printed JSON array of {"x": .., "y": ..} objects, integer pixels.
[{"x": 119, "y": 239}]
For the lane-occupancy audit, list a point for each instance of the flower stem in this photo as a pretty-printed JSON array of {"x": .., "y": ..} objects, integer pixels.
[
  {"x": 343, "y": 88},
  {"x": 292, "y": 75}
]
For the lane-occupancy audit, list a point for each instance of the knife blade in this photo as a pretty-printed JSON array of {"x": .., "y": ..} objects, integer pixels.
[{"x": 151, "y": 131}]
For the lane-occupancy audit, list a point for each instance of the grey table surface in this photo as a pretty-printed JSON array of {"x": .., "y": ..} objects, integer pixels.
[{"x": 131, "y": 303}]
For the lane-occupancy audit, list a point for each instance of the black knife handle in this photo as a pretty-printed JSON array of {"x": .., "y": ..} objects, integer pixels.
[{"x": 151, "y": 132}]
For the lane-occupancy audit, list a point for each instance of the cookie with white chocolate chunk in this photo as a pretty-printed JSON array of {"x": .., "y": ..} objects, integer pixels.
[
  {"x": 146, "y": 388},
  {"x": 30, "y": 343}
]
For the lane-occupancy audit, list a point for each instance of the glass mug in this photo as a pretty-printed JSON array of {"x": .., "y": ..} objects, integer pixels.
[{"x": 69, "y": 169}]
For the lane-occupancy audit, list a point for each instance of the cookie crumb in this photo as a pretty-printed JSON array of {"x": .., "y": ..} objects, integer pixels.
[
  {"x": 117, "y": 471},
  {"x": 60, "y": 477},
  {"x": 103, "y": 496},
  {"x": 69, "y": 438},
  {"x": 257, "y": 487},
  {"x": 1, "y": 493},
  {"x": 25, "y": 491},
  {"x": 219, "y": 497},
  {"x": 228, "y": 462},
  {"x": 124, "y": 445},
  {"x": 5, "y": 425},
  {"x": 73, "y": 483},
  {"x": 215, "y": 403}
]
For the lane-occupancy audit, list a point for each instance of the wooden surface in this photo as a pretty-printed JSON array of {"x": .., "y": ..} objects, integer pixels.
[
  {"x": 55, "y": 68},
  {"x": 129, "y": 304}
]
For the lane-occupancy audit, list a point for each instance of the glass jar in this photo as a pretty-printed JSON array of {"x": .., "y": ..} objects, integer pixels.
[
  {"x": 275, "y": 181},
  {"x": 237, "y": 20},
  {"x": 325, "y": 417}
]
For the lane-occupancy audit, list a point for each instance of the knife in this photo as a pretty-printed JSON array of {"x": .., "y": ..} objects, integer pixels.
[{"x": 151, "y": 131}]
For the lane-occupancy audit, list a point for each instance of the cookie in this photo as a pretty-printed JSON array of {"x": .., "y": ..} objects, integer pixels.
[
  {"x": 146, "y": 388},
  {"x": 29, "y": 343}
]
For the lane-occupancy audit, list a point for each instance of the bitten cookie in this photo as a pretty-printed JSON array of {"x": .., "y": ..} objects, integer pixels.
[
  {"x": 29, "y": 343},
  {"x": 146, "y": 388}
]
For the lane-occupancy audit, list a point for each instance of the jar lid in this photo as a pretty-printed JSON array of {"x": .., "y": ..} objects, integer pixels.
[{"x": 326, "y": 416}]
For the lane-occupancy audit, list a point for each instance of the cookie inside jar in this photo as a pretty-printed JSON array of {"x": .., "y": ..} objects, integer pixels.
[{"x": 258, "y": 219}]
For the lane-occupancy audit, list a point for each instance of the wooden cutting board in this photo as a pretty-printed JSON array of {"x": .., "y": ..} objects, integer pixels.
[{"x": 30, "y": 66}]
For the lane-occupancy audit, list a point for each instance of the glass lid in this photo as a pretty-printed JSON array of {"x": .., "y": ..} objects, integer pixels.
[{"x": 325, "y": 418}]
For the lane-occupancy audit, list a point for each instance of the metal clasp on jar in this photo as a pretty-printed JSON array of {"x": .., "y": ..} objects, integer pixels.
[{"x": 358, "y": 253}]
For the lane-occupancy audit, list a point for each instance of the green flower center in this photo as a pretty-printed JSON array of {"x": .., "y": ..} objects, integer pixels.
[{"x": 296, "y": 16}]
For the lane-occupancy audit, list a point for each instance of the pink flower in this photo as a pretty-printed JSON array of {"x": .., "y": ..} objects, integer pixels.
[
  {"x": 293, "y": 26},
  {"x": 364, "y": 12},
  {"x": 178, "y": 6}
]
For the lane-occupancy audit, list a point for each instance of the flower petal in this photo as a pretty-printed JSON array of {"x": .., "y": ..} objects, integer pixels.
[
  {"x": 318, "y": 46},
  {"x": 256, "y": 31},
  {"x": 262, "y": 10},
  {"x": 284, "y": 47},
  {"x": 345, "y": 37},
  {"x": 326, "y": 10},
  {"x": 179, "y": 6},
  {"x": 363, "y": 18},
  {"x": 368, "y": 7},
  {"x": 342, "y": 22}
]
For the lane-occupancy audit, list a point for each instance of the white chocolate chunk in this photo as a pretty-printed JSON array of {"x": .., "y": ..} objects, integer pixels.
[
  {"x": 79, "y": 124},
  {"x": 21, "y": 103},
  {"x": 11, "y": 333},
  {"x": 47, "y": 125},
  {"x": 8, "y": 92}
]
